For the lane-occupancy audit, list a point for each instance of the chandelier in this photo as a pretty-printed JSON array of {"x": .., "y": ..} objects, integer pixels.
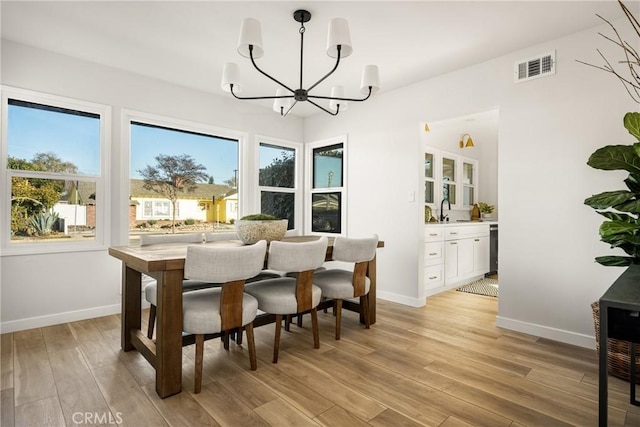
[{"x": 338, "y": 47}]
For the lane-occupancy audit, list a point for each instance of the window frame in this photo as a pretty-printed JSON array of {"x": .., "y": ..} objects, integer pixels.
[
  {"x": 102, "y": 235},
  {"x": 310, "y": 191},
  {"x": 298, "y": 188},
  {"x": 129, "y": 116}
]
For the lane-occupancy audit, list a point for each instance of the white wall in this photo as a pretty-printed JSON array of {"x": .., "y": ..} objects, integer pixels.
[
  {"x": 46, "y": 289},
  {"x": 548, "y": 128}
]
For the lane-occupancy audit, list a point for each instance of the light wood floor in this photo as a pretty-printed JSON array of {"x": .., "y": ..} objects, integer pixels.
[{"x": 445, "y": 364}]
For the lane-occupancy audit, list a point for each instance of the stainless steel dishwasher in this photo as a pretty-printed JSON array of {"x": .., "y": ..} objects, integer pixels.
[{"x": 493, "y": 249}]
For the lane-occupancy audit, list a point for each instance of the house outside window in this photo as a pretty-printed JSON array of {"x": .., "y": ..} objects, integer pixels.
[
  {"x": 326, "y": 162},
  {"x": 183, "y": 176},
  {"x": 279, "y": 180},
  {"x": 54, "y": 156}
]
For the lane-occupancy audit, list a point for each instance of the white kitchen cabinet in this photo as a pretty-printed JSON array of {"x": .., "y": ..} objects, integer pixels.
[
  {"x": 454, "y": 254},
  {"x": 433, "y": 279},
  {"x": 451, "y": 177}
]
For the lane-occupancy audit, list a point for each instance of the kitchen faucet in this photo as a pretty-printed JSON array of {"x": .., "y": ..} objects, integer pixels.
[{"x": 442, "y": 216}]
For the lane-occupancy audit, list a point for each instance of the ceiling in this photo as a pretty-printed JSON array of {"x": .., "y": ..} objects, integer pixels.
[{"x": 187, "y": 42}]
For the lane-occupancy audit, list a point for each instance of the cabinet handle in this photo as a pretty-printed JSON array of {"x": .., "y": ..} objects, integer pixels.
[
  {"x": 453, "y": 243},
  {"x": 454, "y": 232},
  {"x": 433, "y": 253},
  {"x": 476, "y": 240},
  {"x": 433, "y": 234},
  {"x": 433, "y": 277}
]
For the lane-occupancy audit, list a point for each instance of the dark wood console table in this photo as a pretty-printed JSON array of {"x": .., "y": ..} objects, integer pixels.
[{"x": 619, "y": 319}]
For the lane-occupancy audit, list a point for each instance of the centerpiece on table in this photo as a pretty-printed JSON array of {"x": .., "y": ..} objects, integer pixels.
[{"x": 253, "y": 228}]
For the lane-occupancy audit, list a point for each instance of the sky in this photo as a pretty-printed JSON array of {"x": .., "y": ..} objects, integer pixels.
[{"x": 76, "y": 139}]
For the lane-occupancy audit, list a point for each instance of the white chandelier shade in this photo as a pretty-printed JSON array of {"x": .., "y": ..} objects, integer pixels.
[
  {"x": 338, "y": 47},
  {"x": 336, "y": 104},
  {"x": 339, "y": 35},
  {"x": 250, "y": 35}
]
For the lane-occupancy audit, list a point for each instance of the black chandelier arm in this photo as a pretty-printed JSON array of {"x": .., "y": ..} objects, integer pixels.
[
  {"x": 284, "y": 113},
  {"x": 324, "y": 109},
  {"x": 330, "y": 98},
  {"x": 335, "y": 67},
  {"x": 265, "y": 74},
  {"x": 244, "y": 98}
]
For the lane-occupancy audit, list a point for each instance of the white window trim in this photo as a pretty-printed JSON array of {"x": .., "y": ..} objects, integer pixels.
[
  {"x": 309, "y": 190},
  {"x": 103, "y": 188},
  {"x": 129, "y": 116},
  {"x": 298, "y": 188}
]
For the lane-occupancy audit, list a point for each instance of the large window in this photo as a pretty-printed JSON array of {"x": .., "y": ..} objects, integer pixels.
[
  {"x": 53, "y": 161},
  {"x": 326, "y": 162},
  {"x": 183, "y": 177},
  {"x": 278, "y": 180}
]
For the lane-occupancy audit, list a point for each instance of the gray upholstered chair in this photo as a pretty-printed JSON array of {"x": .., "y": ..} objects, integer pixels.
[
  {"x": 289, "y": 295},
  {"x": 339, "y": 284},
  {"x": 151, "y": 289},
  {"x": 223, "y": 309}
]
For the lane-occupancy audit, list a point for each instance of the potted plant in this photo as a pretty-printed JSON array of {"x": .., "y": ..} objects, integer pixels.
[
  {"x": 252, "y": 228},
  {"x": 486, "y": 210},
  {"x": 621, "y": 208}
]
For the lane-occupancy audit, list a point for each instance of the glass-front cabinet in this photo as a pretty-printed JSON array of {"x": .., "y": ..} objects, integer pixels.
[
  {"x": 429, "y": 179},
  {"x": 449, "y": 176}
]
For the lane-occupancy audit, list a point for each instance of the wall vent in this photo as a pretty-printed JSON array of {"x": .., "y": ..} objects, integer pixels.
[{"x": 533, "y": 68}]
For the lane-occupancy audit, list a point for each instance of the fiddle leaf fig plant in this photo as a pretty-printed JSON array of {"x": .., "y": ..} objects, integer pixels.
[{"x": 621, "y": 208}]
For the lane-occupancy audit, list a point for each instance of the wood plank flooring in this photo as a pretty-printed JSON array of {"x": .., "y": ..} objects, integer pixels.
[{"x": 445, "y": 364}]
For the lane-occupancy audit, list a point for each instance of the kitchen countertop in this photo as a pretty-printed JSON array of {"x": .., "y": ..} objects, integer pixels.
[{"x": 460, "y": 223}]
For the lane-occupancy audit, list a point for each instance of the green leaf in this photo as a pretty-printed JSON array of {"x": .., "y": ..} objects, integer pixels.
[
  {"x": 608, "y": 198},
  {"x": 614, "y": 261},
  {"x": 631, "y": 206},
  {"x": 609, "y": 228},
  {"x": 617, "y": 216},
  {"x": 633, "y": 182},
  {"x": 632, "y": 124},
  {"x": 616, "y": 157}
]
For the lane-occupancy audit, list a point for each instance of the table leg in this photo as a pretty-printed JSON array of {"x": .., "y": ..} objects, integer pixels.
[
  {"x": 169, "y": 333},
  {"x": 130, "y": 307},
  {"x": 603, "y": 387}
]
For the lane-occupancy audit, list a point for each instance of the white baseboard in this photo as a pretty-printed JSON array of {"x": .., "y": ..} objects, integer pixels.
[
  {"x": 568, "y": 337},
  {"x": 401, "y": 299},
  {"x": 58, "y": 318}
]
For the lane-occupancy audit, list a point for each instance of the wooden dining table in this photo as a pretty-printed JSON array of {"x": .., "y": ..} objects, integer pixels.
[{"x": 165, "y": 263}]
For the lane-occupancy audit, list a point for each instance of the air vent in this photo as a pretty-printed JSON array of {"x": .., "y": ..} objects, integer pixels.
[{"x": 539, "y": 66}]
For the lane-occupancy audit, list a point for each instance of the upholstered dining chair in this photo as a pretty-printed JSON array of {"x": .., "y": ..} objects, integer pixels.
[
  {"x": 338, "y": 284},
  {"x": 223, "y": 309},
  {"x": 151, "y": 289},
  {"x": 291, "y": 295},
  {"x": 264, "y": 274}
]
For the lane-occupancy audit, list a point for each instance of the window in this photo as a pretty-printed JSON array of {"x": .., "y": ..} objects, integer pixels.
[
  {"x": 182, "y": 177},
  {"x": 54, "y": 158},
  {"x": 449, "y": 180},
  {"x": 328, "y": 187},
  {"x": 278, "y": 181},
  {"x": 429, "y": 178},
  {"x": 468, "y": 184}
]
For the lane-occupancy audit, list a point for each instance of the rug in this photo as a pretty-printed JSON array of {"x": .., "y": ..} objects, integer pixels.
[{"x": 487, "y": 287}]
